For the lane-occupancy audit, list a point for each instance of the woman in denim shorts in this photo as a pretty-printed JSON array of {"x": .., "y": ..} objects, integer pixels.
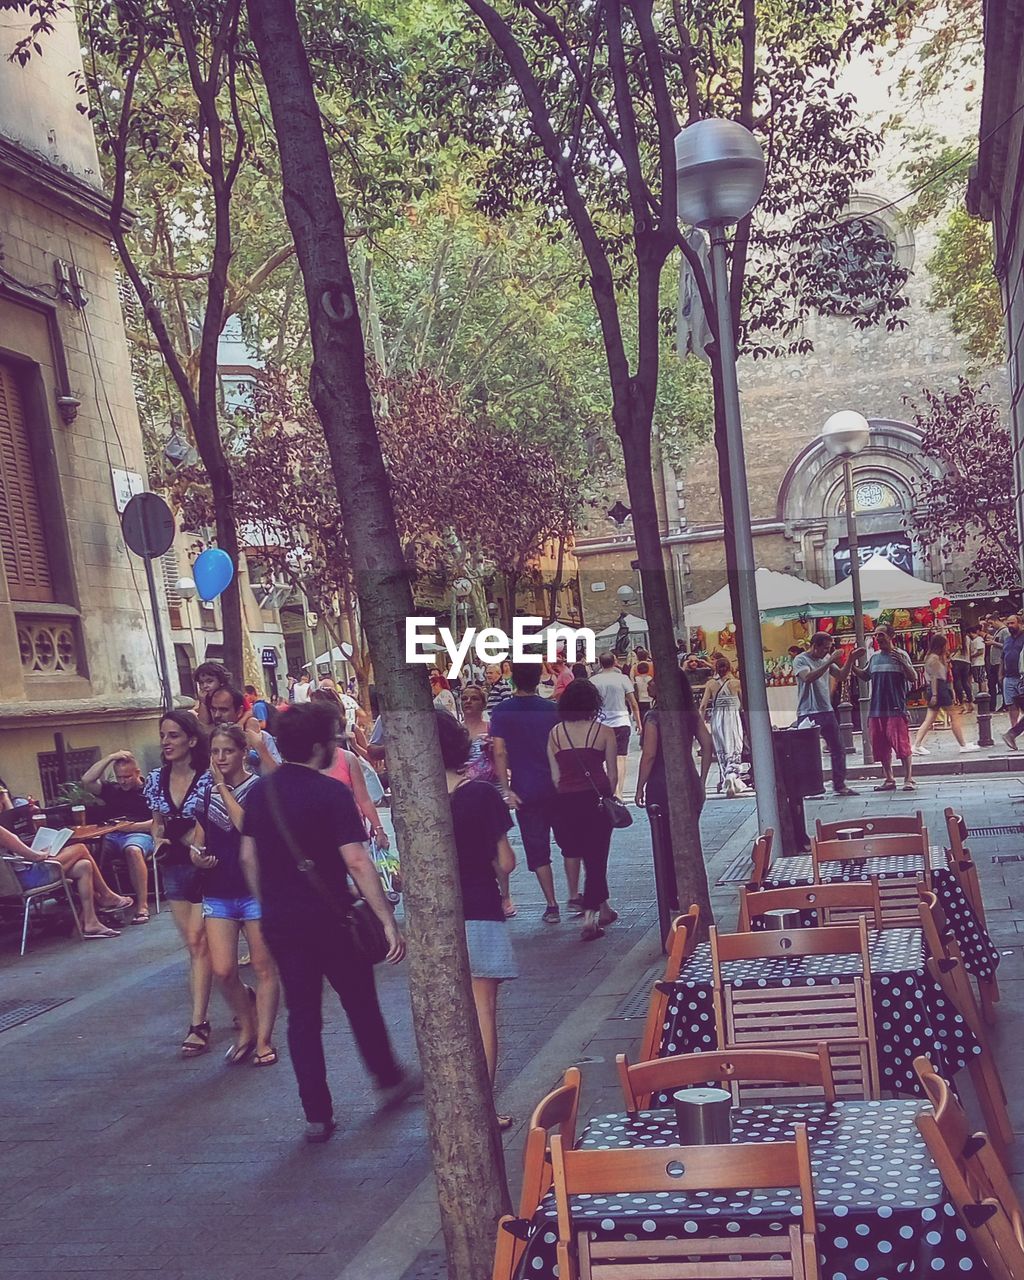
[
  {"x": 172, "y": 792},
  {"x": 228, "y": 905}
]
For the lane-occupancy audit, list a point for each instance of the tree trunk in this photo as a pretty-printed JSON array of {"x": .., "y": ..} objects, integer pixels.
[
  {"x": 466, "y": 1145},
  {"x": 675, "y": 701}
]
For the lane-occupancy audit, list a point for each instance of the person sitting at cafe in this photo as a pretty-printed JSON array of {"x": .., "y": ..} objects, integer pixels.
[
  {"x": 78, "y": 864},
  {"x": 227, "y": 706},
  {"x": 125, "y": 803}
]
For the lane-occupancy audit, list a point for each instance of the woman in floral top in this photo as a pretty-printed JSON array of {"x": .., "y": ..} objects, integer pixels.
[{"x": 172, "y": 793}]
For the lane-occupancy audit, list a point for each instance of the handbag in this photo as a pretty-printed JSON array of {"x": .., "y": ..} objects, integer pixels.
[
  {"x": 615, "y": 811},
  {"x": 360, "y": 922}
]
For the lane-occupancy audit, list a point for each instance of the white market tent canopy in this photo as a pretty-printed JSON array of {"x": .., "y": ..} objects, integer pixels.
[
  {"x": 774, "y": 591},
  {"x": 885, "y": 585},
  {"x": 334, "y": 655},
  {"x": 636, "y": 627}
]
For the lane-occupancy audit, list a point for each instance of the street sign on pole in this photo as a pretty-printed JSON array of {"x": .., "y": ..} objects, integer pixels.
[{"x": 147, "y": 524}]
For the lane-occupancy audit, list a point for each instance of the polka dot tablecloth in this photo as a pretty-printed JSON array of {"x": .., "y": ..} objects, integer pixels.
[
  {"x": 912, "y": 1014},
  {"x": 979, "y": 951},
  {"x": 881, "y": 1208}
]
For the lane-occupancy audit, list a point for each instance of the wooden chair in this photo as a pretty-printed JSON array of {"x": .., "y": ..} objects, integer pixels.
[
  {"x": 14, "y": 893},
  {"x": 682, "y": 939},
  {"x": 833, "y": 903},
  {"x": 899, "y": 893},
  {"x": 762, "y": 1069},
  {"x": 946, "y": 966},
  {"x": 800, "y": 1017},
  {"x": 555, "y": 1113},
  {"x": 761, "y": 858},
  {"x": 729, "y": 1167},
  {"x": 974, "y": 1178},
  {"x": 963, "y": 866},
  {"x": 906, "y": 825}
]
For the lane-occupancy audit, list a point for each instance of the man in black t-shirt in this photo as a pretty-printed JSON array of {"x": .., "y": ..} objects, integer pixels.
[
  {"x": 294, "y": 815},
  {"x": 123, "y": 801}
]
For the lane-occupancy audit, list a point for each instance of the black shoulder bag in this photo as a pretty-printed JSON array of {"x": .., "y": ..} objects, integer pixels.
[
  {"x": 617, "y": 813},
  {"x": 360, "y": 921}
]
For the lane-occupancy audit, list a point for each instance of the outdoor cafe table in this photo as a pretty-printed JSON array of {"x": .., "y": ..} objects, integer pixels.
[
  {"x": 882, "y": 1211},
  {"x": 979, "y": 951},
  {"x": 912, "y": 1014}
]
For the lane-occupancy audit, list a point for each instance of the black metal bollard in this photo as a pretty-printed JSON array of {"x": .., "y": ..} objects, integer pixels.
[
  {"x": 984, "y": 705},
  {"x": 664, "y": 870},
  {"x": 846, "y": 726}
]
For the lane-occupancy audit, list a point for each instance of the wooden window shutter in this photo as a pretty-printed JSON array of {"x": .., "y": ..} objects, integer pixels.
[{"x": 22, "y": 540}]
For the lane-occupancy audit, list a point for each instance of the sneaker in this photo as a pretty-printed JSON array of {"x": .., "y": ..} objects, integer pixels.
[
  {"x": 1010, "y": 741},
  {"x": 969, "y": 746},
  {"x": 391, "y": 1095},
  {"x": 575, "y": 906},
  {"x": 320, "y": 1130},
  {"x": 552, "y": 916},
  {"x": 919, "y": 751}
]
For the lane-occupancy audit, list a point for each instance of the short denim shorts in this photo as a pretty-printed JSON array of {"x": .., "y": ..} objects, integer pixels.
[
  {"x": 240, "y": 909},
  {"x": 120, "y": 840},
  {"x": 182, "y": 882}
]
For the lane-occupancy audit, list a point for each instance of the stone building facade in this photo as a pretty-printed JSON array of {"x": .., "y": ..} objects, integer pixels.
[
  {"x": 796, "y": 500},
  {"x": 995, "y": 194},
  {"x": 77, "y": 655}
]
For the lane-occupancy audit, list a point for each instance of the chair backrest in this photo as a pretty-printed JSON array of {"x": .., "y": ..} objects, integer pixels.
[
  {"x": 908, "y": 824},
  {"x": 761, "y": 857},
  {"x": 726, "y": 1167},
  {"x": 732, "y": 1068},
  {"x": 974, "y": 1177},
  {"x": 800, "y": 1017},
  {"x": 961, "y": 863},
  {"x": 787, "y": 944},
  {"x": 555, "y": 1113},
  {"x": 838, "y": 903},
  {"x": 897, "y": 846},
  {"x": 10, "y": 885},
  {"x": 681, "y": 941}
]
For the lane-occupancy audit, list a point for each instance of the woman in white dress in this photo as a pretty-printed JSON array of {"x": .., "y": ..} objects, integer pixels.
[{"x": 722, "y": 695}]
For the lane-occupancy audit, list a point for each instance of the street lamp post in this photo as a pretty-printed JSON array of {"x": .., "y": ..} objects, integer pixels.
[
  {"x": 845, "y": 435},
  {"x": 721, "y": 171}
]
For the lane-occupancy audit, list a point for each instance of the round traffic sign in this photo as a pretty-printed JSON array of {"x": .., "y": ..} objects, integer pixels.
[{"x": 148, "y": 525}]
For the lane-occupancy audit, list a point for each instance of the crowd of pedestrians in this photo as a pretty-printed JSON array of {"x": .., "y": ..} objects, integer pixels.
[{"x": 259, "y": 844}]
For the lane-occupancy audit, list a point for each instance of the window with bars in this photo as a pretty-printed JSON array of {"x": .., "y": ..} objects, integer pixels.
[{"x": 22, "y": 536}]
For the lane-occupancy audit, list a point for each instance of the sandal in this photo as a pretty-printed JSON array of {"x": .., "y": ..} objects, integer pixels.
[
  {"x": 886, "y": 786},
  {"x": 509, "y": 908},
  {"x": 268, "y": 1059},
  {"x": 202, "y": 1033},
  {"x": 141, "y": 917},
  {"x": 239, "y": 1053},
  {"x": 123, "y": 901},
  {"x": 909, "y": 786}
]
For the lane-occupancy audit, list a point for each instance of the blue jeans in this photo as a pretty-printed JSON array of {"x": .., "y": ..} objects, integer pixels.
[{"x": 829, "y": 726}]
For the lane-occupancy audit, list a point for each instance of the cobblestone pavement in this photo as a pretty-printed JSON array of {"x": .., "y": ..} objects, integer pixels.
[{"x": 119, "y": 1157}]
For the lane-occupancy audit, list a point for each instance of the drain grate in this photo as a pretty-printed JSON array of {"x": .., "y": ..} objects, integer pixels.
[
  {"x": 634, "y": 1005},
  {"x": 14, "y": 1012},
  {"x": 737, "y": 872},
  {"x": 1000, "y": 859},
  {"x": 982, "y": 832},
  {"x": 431, "y": 1264}
]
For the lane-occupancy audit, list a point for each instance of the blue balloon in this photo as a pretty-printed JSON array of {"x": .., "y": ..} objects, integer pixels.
[{"x": 212, "y": 572}]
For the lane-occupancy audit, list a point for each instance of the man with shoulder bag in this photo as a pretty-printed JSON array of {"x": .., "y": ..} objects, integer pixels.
[{"x": 303, "y": 837}]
